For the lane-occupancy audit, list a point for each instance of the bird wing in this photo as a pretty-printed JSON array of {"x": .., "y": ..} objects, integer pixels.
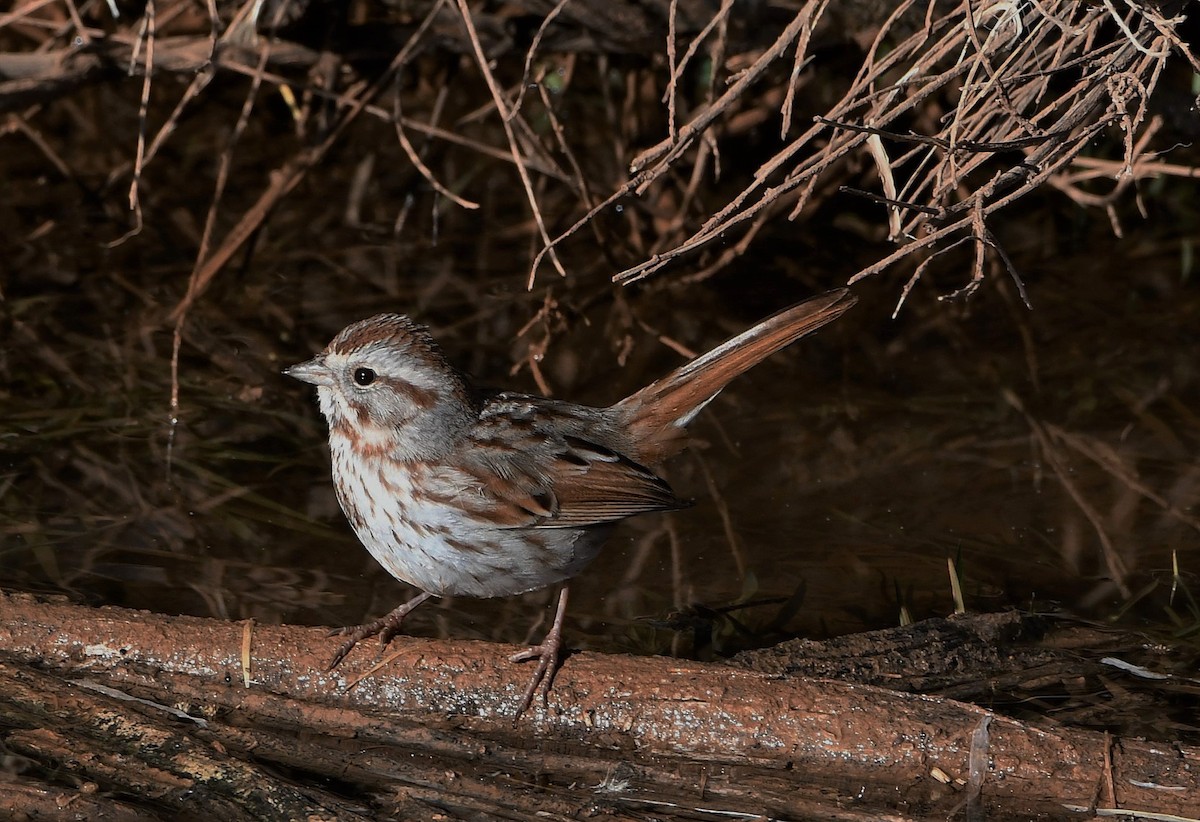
[
  {"x": 594, "y": 484},
  {"x": 534, "y": 474}
]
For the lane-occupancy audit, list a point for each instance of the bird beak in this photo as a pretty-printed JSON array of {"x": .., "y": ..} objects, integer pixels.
[{"x": 315, "y": 371}]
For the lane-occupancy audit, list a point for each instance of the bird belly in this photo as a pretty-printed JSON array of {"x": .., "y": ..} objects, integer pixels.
[{"x": 416, "y": 532}]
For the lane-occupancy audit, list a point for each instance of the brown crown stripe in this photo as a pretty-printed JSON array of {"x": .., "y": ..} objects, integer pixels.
[{"x": 395, "y": 328}]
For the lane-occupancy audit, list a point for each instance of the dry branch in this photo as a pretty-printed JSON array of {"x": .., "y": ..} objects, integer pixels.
[
  {"x": 716, "y": 736},
  {"x": 38, "y": 77},
  {"x": 1014, "y": 107},
  {"x": 1010, "y": 95}
]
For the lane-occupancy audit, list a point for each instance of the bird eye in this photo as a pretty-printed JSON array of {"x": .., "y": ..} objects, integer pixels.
[{"x": 364, "y": 376}]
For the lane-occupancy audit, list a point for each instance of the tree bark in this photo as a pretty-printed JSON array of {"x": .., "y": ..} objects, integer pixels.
[{"x": 198, "y": 716}]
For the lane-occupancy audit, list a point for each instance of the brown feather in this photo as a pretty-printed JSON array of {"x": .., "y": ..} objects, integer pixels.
[
  {"x": 656, "y": 415},
  {"x": 605, "y": 488},
  {"x": 572, "y": 483}
]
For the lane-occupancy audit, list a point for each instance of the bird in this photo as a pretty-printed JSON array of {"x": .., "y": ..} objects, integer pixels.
[{"x": 463, "y": 492}]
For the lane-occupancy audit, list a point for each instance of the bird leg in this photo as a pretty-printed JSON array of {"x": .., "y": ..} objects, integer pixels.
[
  {"x": 548, "y": 655},
  {"x": 387, "y": 627}
]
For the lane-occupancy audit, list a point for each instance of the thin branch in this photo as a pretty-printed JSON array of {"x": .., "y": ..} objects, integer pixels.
[{"x": 498, "y": 98}]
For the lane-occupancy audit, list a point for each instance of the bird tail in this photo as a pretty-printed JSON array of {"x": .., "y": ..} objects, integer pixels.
[{"x": 656, "y": 415}]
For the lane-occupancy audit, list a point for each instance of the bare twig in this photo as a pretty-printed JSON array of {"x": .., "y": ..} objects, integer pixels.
[
  {"x": 415, "y": 158},
  {"x": 498, "y": 98},
  {"x": 932, "y": 193},
  {"x": 533, "y": 47}
]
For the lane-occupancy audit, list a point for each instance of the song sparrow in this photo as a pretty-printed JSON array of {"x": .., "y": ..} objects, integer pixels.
[{"x": 467, "y": 494}]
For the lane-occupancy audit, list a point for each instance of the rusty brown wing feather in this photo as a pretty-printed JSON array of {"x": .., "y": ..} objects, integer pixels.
[
  {"x": 594, "y": 484},
  {"x": 556, "y": 480},
  {"x": 657, "y": 415}
]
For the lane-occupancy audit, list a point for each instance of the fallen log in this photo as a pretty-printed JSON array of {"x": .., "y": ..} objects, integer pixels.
[{"x": 199, "y": 716}]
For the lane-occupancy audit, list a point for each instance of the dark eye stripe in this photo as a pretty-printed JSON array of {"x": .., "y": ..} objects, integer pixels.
[{"x": 422, "y": 398}]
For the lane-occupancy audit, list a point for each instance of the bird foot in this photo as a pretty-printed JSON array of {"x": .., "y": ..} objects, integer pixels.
[
  {"x": 386, "y": 627},
  {"x": 549, "y": 657}
]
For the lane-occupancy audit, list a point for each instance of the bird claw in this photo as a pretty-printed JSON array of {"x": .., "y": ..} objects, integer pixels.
[
  {"x": 357, "y": 634},
  {"x": 549, "y": 661},
  {"x": 386, "y": 627},
  {"x": 549, "y": 657}
]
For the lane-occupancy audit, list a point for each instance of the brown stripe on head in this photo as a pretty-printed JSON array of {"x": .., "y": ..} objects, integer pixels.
[
  {"x": 422, "y": 398},
  {"x": 395, "y": 328},
  {"x": 404, "y": 363},
  {"x": 390, "y": 401}
]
